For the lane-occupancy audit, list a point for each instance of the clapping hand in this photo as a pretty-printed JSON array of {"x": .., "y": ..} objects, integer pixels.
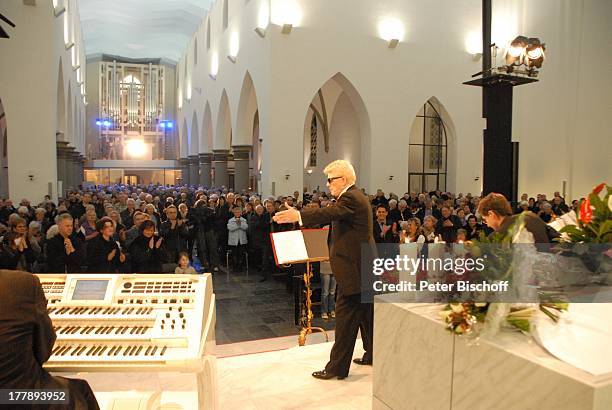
[
  {"x": 289, "y": 216},
  {"x": 152, "y": 242},
  {"x": 111, "y": 255},
  {"x": 158, "y": 243},
  {"x": 447, "y": 224}
]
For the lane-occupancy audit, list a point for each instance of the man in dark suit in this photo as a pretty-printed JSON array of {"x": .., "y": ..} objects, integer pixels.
[
  {"x": 66, "y": 250},
  {"x": 351, "y": 227},
  {"x": 26, "y": 342}
]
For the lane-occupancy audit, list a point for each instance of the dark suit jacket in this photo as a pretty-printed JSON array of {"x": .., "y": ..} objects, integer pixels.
[
  {"x": 533, "y": 224},
  {"x": 388, "y": 238},
  {"x": 351, "y": 227},
  {"x": 26, "y": 334}
]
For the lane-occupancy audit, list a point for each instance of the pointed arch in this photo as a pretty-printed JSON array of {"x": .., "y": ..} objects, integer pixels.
[
  {"x": 194, "y": 136},
  {"x": 60, "y": 109},
  {"x": 223, "y": 135},
  {"x": 430, "y": 151},
  {"x": 206, "y": 137},
  {"x": 183, "y": 146},
  {"x": 337, "y": 105},
  {"x": 247, "y": 107}
]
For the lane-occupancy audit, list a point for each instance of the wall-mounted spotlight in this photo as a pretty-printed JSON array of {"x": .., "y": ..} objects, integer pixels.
[
  {"x": 392, "y": 31},
  {"x": 261, "y": 32},
  {"x": 263, "y": 19},
  {"x": 166, "y": 124},
  {"x": 309, "y": 171},
  {"x": 76, "y": 67},
  {"x": 214, "y": 66},
  {"x": 524, "y": 51},
  {"x": 286, "y": 29},
  {"x": 69, "y": 46},
  {"x": 60, "y": 11},
  {"x": 234, "y": 46},
  {"x": 103, "y": 122}
]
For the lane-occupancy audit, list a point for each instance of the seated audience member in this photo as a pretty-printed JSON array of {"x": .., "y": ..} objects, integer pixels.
[
  {"x": 237, "y": 237},
  {"x": 473, "y": 228},
  {"x": 447, "y": 225},
  {"x": 558, "y": 206},
  {"x": 429, "y": 228},
  {"x": 65, "y": 251},
  {"x": 153, "y": 215},
  {"x": 183, "y": 265},
  {"x": 405, "y": 213},
  {"x": 147, "y": 251},
  {"x": 427, "y": 210},
  {"x": 522, "y": 207},
  {"x": 412, "y": 233},
  {"x": 383, "y": 228},
  {"x": 546, "y": 212},
  {"x": 394, "y": 215},
  {"x": 104, "y": 254},
  {"x": 26, "y": 341},
  {"x": 88, "y": 227},
  {"x": 461, "y": 235}
]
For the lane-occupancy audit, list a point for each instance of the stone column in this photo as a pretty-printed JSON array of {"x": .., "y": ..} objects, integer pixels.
[
  {"x": 220, "y": 164},
  {"x": 70, "y": 168},
  {"x": 194, "y": 165},
  {"x": 184, "y": 164},
  {"x": 81, "y": 169},
  {"x": 62, "y": 152},
  {"x": 205, "y": 168},
  {"x": 241, "y": 167}
]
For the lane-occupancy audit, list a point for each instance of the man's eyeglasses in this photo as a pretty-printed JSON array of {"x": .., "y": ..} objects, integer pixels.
[{"x": 329, "y": 180}]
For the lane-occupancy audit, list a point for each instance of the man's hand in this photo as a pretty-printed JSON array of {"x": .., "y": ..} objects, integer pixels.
[
  {"x": 159, "y": 242},
  {"x": 447, "y": 224},
  {"x": 68, "y": 246},
  {"x": 111, "y": 255},
  {"x": 289, "y": 216}
]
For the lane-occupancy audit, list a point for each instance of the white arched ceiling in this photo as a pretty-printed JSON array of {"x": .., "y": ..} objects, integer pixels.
[
  {"x": 206, "y": 138},
  {"x": 140, "y": 28},
  {"x": 223, "y": 135},
  {"x": 194, "y": 136},
  {"x": 247, "y": 106}
]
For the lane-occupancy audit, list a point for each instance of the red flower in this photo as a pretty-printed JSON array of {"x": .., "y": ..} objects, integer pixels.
[
  {"x": 598, "y": 188},
  {"x": 586, "y": 213}
]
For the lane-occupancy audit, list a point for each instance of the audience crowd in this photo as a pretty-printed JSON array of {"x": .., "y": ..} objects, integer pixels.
[{"x": 153, "y": 228}]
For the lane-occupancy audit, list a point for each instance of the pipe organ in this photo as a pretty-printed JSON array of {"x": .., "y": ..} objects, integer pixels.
[{"x": 132, "y": 100}]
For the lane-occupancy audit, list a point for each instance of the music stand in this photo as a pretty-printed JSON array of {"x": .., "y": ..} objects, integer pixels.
[{"x": 304, "y": 246}]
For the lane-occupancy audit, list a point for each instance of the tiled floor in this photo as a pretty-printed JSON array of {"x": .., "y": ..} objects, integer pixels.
[
  {"x": 281, "y": 380},
  {"x": 248, "y": 309}
]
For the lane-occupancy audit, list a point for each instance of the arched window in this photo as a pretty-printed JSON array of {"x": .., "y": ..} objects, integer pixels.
[
  {"x": 427, "y": 151},
  {"x": 225, "y": 14},
  {"x": 312, "y": 162},
  {"x": 208, "y": 34}
]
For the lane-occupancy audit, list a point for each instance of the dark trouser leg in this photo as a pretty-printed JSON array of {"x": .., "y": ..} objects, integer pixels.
[
  {"x": 211, "y": 244},
  {"x": 366, "y": 327},
  {"x": 349, "y": 314},
  {"x": 202, "y": 247}
]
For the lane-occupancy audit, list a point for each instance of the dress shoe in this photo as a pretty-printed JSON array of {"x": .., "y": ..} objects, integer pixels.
[
  {"x": 362, "y": 362},
  {"x": 325, "y": 375}
]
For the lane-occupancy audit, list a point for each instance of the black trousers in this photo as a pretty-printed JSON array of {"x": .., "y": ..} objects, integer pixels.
[{"x": 351, "y": 315}]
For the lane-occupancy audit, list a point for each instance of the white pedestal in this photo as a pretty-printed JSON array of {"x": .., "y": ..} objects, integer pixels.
[{"x": 418, "y": 364}]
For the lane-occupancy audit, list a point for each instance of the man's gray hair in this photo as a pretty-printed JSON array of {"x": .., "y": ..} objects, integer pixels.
[
  {"x": 342, "y": 168},
  {"x": 64, "y": 217}
]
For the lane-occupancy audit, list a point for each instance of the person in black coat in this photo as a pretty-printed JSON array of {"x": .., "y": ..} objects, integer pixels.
[
  {"x": 103, "y": 253},
  {"x": 351, "y": 228},
  {"x": 473, "y": 228},
  {"x": 147, "y": 251},
  {"x": 259, "y": 229},
  {"x": 27, "y": 339},
  {"x": 175, "y": 234},
  {"x": 66, "y": 250},
  {"x": 447, "y": 225}
]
